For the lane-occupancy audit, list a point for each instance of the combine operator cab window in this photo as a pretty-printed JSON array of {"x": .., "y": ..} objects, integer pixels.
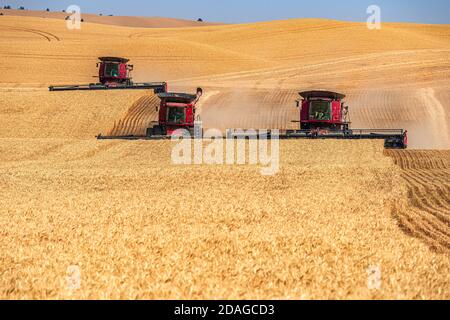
[
  {"x": 176, "y": 115},
  {"x": 320, "y": 110},
  {"x": 112, "y": 70}
]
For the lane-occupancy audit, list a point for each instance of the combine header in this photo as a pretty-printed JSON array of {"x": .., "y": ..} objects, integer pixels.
[
  {"x": 114, "y": 74},
  {"x": 323, "y": 115}
]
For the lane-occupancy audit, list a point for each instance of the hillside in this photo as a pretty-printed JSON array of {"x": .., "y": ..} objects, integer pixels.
[
  {"x": 395, "y": 77},
  {"x": 137, "y": 226},
  {"x": 124, "y": 21}
]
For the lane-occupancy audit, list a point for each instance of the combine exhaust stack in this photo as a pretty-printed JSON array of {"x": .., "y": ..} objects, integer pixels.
[{"x": 114, "y": 74}]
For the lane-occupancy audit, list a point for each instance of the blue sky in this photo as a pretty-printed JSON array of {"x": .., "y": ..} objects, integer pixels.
[{"x": 233, "y": 11}]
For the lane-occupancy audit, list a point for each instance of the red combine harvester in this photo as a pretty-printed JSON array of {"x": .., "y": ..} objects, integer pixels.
[
  {"x": 113, "y": 74},
  {"x": 176, "y": 111},
  {"x": 323, "y": 115}
]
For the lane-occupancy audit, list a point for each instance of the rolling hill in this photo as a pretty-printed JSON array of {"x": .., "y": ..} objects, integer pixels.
[{"x": 139, "y": 227}]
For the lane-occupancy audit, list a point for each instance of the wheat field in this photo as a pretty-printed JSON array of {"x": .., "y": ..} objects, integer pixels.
[
  {"x": 139, "y": 227},
  {"x": 426, "y": 174}
]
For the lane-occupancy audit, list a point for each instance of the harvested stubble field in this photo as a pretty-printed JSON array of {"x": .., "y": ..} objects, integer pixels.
[{"x": 138, "y": 226}]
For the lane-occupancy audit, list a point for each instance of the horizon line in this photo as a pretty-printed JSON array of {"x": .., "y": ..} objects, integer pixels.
[{"x": 217, "y": 22}]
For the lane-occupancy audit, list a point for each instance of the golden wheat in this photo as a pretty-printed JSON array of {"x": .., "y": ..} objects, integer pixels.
[
  {"x": 427, "y": 175},
  {"x": 138, "y": 226}
]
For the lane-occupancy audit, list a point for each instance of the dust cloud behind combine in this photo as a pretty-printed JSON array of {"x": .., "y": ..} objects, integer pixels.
[{"x": 139, "y": 227}]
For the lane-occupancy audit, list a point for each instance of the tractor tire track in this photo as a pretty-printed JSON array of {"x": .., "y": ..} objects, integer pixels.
[{"x": 46, "y": 35}]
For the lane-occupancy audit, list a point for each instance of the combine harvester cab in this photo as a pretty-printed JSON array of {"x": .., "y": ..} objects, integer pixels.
[
  {"x": 324, "y": 115},
  {"x": 114, "y": 73},
  {"x": 176, "y": 111}
]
